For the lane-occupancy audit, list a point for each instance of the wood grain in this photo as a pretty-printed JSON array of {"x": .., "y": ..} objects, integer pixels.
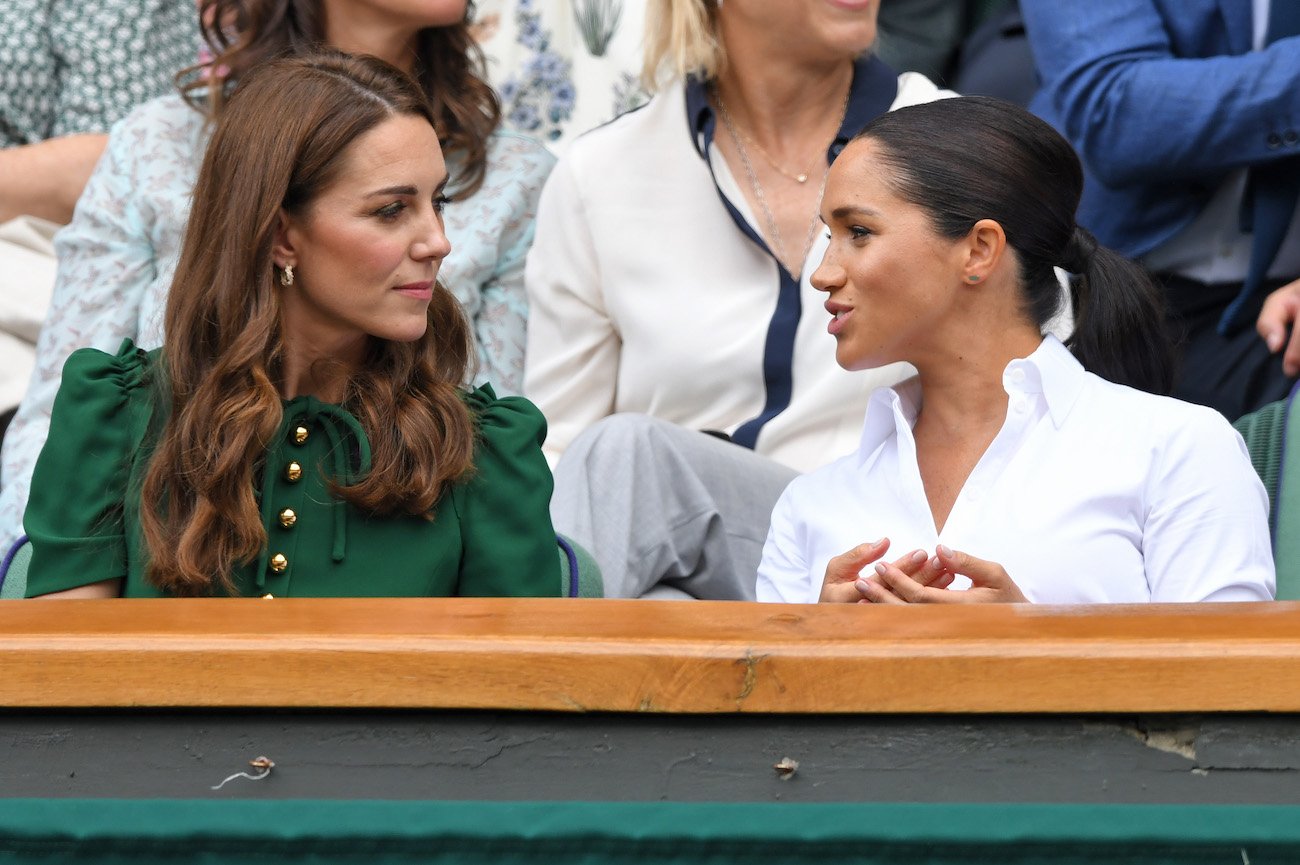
[{"x": 655, "y": 656}]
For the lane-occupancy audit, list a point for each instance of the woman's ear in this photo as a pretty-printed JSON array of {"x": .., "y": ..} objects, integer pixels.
[
  {"x": 282, "y": 242},
  {"x": 983, "y": 249}
]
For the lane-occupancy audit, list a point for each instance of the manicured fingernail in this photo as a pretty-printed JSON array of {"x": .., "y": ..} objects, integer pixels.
[
  {"x": 877, "y": 543},
  {"x": 1274, "y": 341},
  {"x": 860, "y": 584},
  {"x": 880, "y": 568},
  {"x": 919, "y": 556},
  {"x": 944, "y": 551},
  {"x": 934, "y": 563}
]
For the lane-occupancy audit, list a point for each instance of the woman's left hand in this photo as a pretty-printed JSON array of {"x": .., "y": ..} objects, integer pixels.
[{"x": 990, "y": 583}]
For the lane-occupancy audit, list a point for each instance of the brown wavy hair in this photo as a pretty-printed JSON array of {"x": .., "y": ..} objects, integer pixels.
[
  {"x": 242, "y": 34},
  {"x": 282, "y": 140}
]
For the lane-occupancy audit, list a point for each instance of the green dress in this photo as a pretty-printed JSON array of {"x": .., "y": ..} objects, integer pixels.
[{"x": 490, "y": 535}]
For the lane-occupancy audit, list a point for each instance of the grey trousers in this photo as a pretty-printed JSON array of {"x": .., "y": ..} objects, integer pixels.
[{"x": 667, "y": 512}]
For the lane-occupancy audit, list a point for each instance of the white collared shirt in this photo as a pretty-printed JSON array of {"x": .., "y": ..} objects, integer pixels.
[{"x": 1090, "y": 493}]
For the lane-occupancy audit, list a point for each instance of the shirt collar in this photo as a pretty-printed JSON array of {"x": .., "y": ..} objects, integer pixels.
[
  {"x": 888, "y": 409},
  {"x": 1051, "y": 371},
  {"x": 872, "y": 93}
]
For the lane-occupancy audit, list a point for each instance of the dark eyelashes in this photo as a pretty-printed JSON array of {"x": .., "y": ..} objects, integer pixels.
[
  {"x": 855, "y": 232},
  {"x": 394, "y": 209}
]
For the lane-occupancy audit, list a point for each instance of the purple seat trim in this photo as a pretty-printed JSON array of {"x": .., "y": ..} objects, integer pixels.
[
  {"x": 573, "y": 565},
  {"x": 13, "y": 551}
]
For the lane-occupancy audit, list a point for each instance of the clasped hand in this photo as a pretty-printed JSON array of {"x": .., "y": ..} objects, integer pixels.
[{"x": 916, "y": 578}]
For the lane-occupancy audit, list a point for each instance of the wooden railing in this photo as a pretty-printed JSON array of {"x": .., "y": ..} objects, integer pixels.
[{"x": 633, "y": 656}]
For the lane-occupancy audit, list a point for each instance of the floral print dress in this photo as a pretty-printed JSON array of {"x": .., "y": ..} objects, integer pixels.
[{"x": 563, "y": 66}]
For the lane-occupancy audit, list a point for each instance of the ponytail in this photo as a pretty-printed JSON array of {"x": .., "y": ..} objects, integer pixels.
[{"x": 1119, "y": 330}]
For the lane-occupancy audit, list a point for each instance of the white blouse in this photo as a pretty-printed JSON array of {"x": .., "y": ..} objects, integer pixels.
[
  {"x": 1091, "y": 493},
  {"x": 650, "y": 292}
]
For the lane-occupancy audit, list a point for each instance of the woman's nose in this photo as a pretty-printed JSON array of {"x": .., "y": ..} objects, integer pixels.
[
  {"x": 434, "y": 243},
  {"x": 827, "y": 276}
]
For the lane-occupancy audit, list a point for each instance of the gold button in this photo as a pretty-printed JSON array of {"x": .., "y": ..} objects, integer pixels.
[
  {"x": 268, "y": 597},
  {"x": 293, "y": 471},
  {"x": 288, "y": 518},
  {"x": 279, "y": 563},
  {"x": 300, "y": 434}
]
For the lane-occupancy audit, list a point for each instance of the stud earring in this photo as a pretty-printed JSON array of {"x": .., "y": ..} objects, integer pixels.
[
  {"x": 286, "y": 275},
  {"x": 971, "y": 278}
]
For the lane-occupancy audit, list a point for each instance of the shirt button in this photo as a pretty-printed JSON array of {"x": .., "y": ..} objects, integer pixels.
[
  {"x": 1017, "y": 375},
  {"x": 293, "y": 471},
  {"x": 288, "y": 518},
  {"x": 279, "y": 564},
  {"x": 1019, "y": 406},
  {"x": 300, "y": 434}
]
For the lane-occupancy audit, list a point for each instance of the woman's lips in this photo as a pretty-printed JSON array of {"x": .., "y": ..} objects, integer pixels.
[
  {"x": 839, "y": 314},
  {"x": 417, "y": 290}
]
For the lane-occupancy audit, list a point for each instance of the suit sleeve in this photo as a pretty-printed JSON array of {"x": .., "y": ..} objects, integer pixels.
[{"x": 1138, "y": 113}]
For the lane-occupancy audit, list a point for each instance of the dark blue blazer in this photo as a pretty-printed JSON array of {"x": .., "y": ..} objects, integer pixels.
[{"x": 1161, "y": 98}]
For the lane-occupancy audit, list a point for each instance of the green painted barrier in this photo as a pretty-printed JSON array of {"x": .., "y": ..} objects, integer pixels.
[{"x": 578, "y": 833}]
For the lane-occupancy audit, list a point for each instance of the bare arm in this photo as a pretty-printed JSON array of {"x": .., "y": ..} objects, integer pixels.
[
  {"x": 46, "y": 179},
  {"x": 102, "y": 589}
]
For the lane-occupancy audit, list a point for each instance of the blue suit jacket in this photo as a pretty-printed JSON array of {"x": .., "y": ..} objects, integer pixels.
[{"x": 1161, "y": 98}]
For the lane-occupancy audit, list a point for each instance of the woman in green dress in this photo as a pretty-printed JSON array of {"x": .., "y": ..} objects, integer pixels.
[{"x": 304, "y": 431}]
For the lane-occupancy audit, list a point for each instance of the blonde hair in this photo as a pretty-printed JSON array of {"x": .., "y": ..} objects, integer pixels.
[{"x": 681, "y": 39}]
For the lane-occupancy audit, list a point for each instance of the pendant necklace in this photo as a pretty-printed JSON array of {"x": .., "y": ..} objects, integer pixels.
[{"x": 739, "y": 139}]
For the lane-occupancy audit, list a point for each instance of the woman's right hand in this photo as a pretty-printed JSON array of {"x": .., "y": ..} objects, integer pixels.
[{"x": 839, "y": 586}]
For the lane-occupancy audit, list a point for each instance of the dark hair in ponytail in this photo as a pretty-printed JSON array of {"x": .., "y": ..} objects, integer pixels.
[
  {"x": 971, "y": 158},
  {"x": 1118, "y": 317}
]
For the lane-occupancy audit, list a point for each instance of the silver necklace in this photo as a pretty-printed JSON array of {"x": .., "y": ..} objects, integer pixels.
[{"x": 774, "y": 230}]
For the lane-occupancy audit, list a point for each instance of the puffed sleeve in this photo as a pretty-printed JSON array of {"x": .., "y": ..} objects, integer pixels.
[
  {"x": 74, "y": 516},
  {"x": 504, "y": 509}
]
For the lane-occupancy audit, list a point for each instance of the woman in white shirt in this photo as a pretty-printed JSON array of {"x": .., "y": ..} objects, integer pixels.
[{"x": 1012, "y": 467}]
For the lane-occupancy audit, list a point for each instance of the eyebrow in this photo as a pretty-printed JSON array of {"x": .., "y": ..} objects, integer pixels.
[
  {"x": 850, "y": 210},
  {"x": 395, "y": 190},
  {"x": 407, "y": 190}
]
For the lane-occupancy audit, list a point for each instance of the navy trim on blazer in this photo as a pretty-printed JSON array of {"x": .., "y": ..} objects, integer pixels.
[{"x": 873, "y": 91}]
